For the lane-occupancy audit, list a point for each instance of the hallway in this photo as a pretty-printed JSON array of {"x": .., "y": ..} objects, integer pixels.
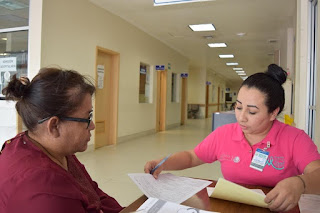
[{"x": 109, "y": 166}]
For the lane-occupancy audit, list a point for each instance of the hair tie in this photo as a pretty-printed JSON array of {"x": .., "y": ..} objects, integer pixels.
[{"x": 24, "y": 80}]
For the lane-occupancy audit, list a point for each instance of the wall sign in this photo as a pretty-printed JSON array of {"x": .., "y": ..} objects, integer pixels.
[
  {"x": 8, "y": 64},
  {"x": 184, "y": 75},
  {"x": 100, "y": 70},
  {"x": 160, "y": 67}
]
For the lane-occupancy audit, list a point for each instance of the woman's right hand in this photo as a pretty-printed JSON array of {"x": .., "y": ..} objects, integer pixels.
[{"x": 152, "y": 164}]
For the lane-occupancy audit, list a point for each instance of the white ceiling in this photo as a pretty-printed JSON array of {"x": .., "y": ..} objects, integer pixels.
[{"x": 261, "y": 20}]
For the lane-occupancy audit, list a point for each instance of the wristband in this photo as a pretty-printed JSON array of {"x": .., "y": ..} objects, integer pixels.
[{"x": 304, "y": 183}]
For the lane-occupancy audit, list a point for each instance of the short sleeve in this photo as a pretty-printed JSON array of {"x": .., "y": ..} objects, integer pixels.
[
  {"x": 44, "y": 191},
  {"x": 207, "y": 149},
  {"x": 304, "y": 151}
]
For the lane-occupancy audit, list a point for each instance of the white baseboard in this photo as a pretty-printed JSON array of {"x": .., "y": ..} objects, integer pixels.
[
  {"x": 171, "y": 126},
  {"x": 131, "y": 137},
  {"x": 136, "y": 135}
]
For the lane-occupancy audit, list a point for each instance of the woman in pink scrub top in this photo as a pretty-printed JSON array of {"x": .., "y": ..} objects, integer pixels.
[
  {"x": 258, "y": 149},
  {"x": 39, "y": 171}
]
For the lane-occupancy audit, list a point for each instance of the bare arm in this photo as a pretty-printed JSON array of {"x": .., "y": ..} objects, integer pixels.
[
  {"x": 311, "y": 177},
  {"x": 177, "y": 161},
  {"x": 284, "y": 196}
]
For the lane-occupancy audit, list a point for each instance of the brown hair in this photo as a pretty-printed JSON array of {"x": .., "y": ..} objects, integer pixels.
[{"x": 52, "y": 92}]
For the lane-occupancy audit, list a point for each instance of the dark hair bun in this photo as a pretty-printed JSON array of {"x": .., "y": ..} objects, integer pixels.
[
  {"x": 277, "y": 73},
  {"x": 16, "y": 88}
]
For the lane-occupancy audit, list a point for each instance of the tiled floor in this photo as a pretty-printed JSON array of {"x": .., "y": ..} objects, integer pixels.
[{"x": 109, "y": 166}]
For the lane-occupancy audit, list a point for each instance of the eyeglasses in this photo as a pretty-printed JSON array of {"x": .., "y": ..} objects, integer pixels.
[{"x": 88, "y": 121}]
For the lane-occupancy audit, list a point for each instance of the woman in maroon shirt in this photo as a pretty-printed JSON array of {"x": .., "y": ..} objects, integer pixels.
[{"x": 39, "y": 171}]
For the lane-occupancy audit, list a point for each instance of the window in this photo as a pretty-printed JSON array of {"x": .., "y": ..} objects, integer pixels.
[
  {"x": 13, "y": 40},
  {"x": 174, "y": 88},
  {"x": 312, "y": 70},
  {"x": 145, "y": 91}
]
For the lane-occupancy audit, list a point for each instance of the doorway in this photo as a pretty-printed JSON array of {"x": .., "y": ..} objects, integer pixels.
[
  {"x": 106, "y": 97},
  {"x": 183, "y": 99},
  {"x": 207, "y": 101},
  {"x": 161, "y": 100}
]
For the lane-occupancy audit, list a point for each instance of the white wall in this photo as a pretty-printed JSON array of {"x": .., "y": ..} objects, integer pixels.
[
  {"x": 69, "y": 37},
  {"x": 197, "y": 86}
]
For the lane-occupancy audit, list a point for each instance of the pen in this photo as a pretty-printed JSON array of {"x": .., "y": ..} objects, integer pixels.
[{"x": 159, "y": 164}]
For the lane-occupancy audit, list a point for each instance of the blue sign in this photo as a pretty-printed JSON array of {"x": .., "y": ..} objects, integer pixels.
[
  {"x": 184, "y": 75},
  {"x": 160, "y": 67},
  {"x": 208, "y": 83}
]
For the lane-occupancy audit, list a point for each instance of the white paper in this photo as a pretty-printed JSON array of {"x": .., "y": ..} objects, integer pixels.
[
  {"x": 100, "y": 69},
  {"x": 168, "y": 187},
  {"x": 154, "y": 205},
  {"x": 309, "y": 203}
]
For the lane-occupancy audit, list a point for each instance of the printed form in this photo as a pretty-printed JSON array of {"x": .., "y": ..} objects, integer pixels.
[
  {"x": 168, "y": 187},
  {"x": 154, "y": 205}
]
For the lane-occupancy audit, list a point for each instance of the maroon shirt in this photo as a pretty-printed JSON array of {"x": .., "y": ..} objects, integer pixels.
[{"x": 31, "y": 182}]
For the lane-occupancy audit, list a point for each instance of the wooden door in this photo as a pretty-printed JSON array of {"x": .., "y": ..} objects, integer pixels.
[
  {"x": 106, "y": 97},
  {"x": 183, "y": 99},
  {"x": 218, "y": 99},
  {"x": 161, "y": 100},
  {"x": 207, "y": 101}
]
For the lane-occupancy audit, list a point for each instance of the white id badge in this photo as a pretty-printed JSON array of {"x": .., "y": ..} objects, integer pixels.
[{"x": 259, "y": 160}]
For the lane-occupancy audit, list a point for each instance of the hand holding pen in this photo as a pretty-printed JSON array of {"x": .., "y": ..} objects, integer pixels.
[{"x": 154, "y": 168}]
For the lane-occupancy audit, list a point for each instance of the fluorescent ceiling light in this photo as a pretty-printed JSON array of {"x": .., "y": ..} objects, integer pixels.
[
  {"x": 202, "y": 27},
  {"x": 217, "y": 45},
  {"x": 237, "y": 68},
  {"x": 240, "y": 71},
  {"x": 226, "y": 56},
  {"x": 232, "y": 64},
  {"x": 242, "y": 74},
  {"x": 241, "y": 34},
  {"x": 168, "y": 2},
  {"x": 244, "y": 78}
]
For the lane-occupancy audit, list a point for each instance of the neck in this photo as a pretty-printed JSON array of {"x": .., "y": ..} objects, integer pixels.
[
  {"x": 60, "y": 160},
  {"x": 256, "y": 138}
]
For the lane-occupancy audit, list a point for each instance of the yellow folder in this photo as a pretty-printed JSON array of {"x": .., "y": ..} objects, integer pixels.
[{"x": 227, "y": 190}]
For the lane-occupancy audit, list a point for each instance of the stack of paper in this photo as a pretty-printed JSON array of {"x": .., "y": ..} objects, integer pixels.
[
  {"x": 154, "y": 205},
  {"x": 168, "y": 187},
  {"x": 309, "y": 203},
  {"x": 227, "y": 190}
]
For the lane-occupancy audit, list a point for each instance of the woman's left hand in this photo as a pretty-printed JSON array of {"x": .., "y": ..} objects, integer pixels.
[{"x": 285, "y": 195}]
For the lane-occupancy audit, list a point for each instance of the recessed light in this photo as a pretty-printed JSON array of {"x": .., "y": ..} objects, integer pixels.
[
  {"x": 241, "y": 34},
  {"x": 232, "y": 64},
  {"x": 217, "y": 45},
  {"x": 202, "y": 27},
  {"x": 237, "y": 68},
  {"x": 5, "y": 39},
  {"x": 208, "y": 37},
  {"x": 226, "y": 56}
]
